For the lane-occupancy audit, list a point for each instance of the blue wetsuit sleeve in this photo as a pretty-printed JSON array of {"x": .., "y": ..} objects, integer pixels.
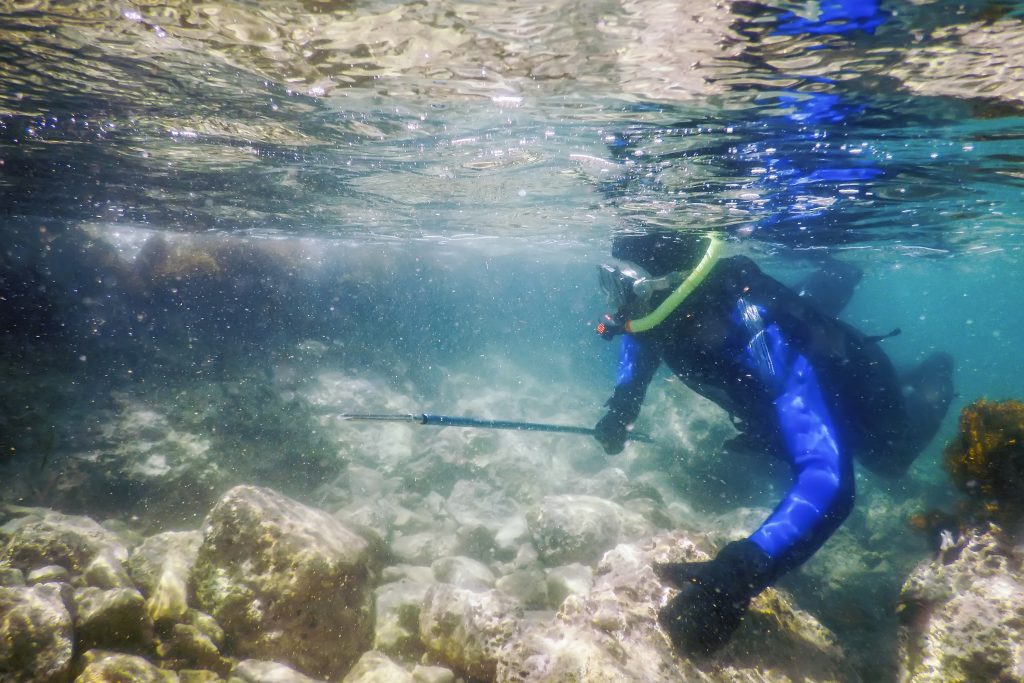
[
  {"x": 638, "y": 361},
  {"x": 822, "y": 494}
]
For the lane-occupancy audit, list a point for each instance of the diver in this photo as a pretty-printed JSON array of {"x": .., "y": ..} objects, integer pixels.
[{"x": 795, "y": 380}]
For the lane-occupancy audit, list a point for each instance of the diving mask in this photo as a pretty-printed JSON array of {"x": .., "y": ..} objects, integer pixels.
[
  {"x": 627, "y": 284},
  {"x": 630, "y": 289}
]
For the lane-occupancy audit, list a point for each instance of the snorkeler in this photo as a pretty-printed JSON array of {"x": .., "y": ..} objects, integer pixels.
[{"x": 795, "y": 380}]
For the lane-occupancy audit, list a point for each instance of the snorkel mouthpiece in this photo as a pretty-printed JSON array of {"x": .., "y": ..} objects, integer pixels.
[{"x": 611, "y": 326}]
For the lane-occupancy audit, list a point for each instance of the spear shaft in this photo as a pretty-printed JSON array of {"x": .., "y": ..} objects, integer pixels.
[{"x": 454, "y": 421}]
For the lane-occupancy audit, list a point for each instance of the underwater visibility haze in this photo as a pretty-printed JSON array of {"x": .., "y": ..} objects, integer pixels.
[{"x": 226, "y": 225}]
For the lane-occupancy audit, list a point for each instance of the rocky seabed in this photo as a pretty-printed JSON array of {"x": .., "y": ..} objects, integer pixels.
[{"x": 272, "y": 590}]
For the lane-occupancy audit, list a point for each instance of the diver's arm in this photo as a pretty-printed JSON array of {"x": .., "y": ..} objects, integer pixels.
[
  {"x": 823, "y": 492},
  {"x": 638, "y": 361},
  {"x": 714, "y": 595}
]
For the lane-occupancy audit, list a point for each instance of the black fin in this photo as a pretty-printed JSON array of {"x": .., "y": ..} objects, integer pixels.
[{"x": 831, "y": 287}]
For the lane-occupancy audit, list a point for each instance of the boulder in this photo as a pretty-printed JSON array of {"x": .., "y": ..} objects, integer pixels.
[
  {"x": 256, "y": 671},
  {"x": 467, "y": 630},
  {"x": 376, "y": 667},
  {"x": 186, "y": 646},
  {"x": 463, "y": 572},
  {"x": 10, "y": 576},
  {"x": 198, "y": 676},
  {"x": 52, "y": 573},
  {"x": 112, "y": 619},
  {"x": 571, "y": 579},
  {"x": 576, "y": 528},
  {"x": 35, "y": 635},
  {"x": 611, "y": 634},
  {"x": 476, "y": 505},
  {"x": 425, "y": 546},
  {"x": 432, "y": 674},
  {"x": 160, "y": 567},
  {"x": 962, "y": 613},
  {"x": 91, "y": 554},
  {"x": 286, "y": 581},
  {"x": 396, "y": 628},
  {"x": 102, "y": 666},
  {"x": 528, "y": 586}
]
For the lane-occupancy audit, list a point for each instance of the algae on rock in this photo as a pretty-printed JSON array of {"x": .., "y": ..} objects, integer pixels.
[
  {"x": 612, "y": 633},
  {"x": 286, "y": 581},
  {"x": 963, "y": 613},
  {"x": 986, "y": 459},
  {"x": 35, "y": 634}
]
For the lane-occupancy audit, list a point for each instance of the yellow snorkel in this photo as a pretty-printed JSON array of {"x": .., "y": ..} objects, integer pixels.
[
  {"x": 684, "y": 290},
  {"x": 610, "y": 327}
]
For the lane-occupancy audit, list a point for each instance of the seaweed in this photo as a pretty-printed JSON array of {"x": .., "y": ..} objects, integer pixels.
[{"x": 986, "y": 459}]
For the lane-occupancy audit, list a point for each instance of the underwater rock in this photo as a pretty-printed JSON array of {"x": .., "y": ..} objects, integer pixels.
[
  {"x": 962, "y": 614},
  {"x": 375, "y": 516},
  {"x": 286, "y": 581},
  {"x": 424, "y": 547},
  {"x": 463, "y": 572},
  {"x": 613, "y": 635},
  {"x": 185, "y": 646},
  {"x": 256, "y": 671},
  {"x": 101, "y": 666},
  {"x": 35, "y": 635},
  {"x": 129, "y": 536},
  {"x": 396, "y": 628},
  {"x": 51, "y": 573},
  {"x": 194, "y": 644},
  {"x": 570, "y": 579},
  {"x": 467, "y": 630},
  {"x": 112, "y": 619},
  {"x": 376, "y": 667},
  {"x": 10, "y": 576},
  {"x": 411, "y": 572},
  {"x": 528, "y": 586},
  {"x": 198, "y": 676},
  {"x": 477, "y": 505},
  {"x": 432, "y": 674},
  {"x": 573, "y": 528},
  {"x": 160, "y": 567},
  {"x": 89, "y": 552}
]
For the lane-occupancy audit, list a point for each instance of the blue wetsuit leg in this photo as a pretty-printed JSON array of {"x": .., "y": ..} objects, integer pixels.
[{"x": 822, "y": 495}]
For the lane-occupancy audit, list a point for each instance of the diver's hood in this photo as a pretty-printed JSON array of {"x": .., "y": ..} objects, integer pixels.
[
  {"x": 631, "y": 284},
  {"x": 660, "y": 252}
]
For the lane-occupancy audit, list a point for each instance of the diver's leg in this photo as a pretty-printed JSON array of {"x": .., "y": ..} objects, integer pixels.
[
  {"x": 927, "y": 393},
  {"x": 831, "y": 287}
]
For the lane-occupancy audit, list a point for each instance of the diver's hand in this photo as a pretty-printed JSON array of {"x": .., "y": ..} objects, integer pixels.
[
  {"x": 713, "y": 596},
  {"x": 610, "y": 431}
]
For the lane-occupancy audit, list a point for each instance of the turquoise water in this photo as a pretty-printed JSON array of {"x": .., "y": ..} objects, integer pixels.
[{"x": 204, "y": 200}]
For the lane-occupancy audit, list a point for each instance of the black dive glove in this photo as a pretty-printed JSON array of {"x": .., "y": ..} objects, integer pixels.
[
  {"x": 712, "y": 596},
  {"x": 611, "y": 431}
]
